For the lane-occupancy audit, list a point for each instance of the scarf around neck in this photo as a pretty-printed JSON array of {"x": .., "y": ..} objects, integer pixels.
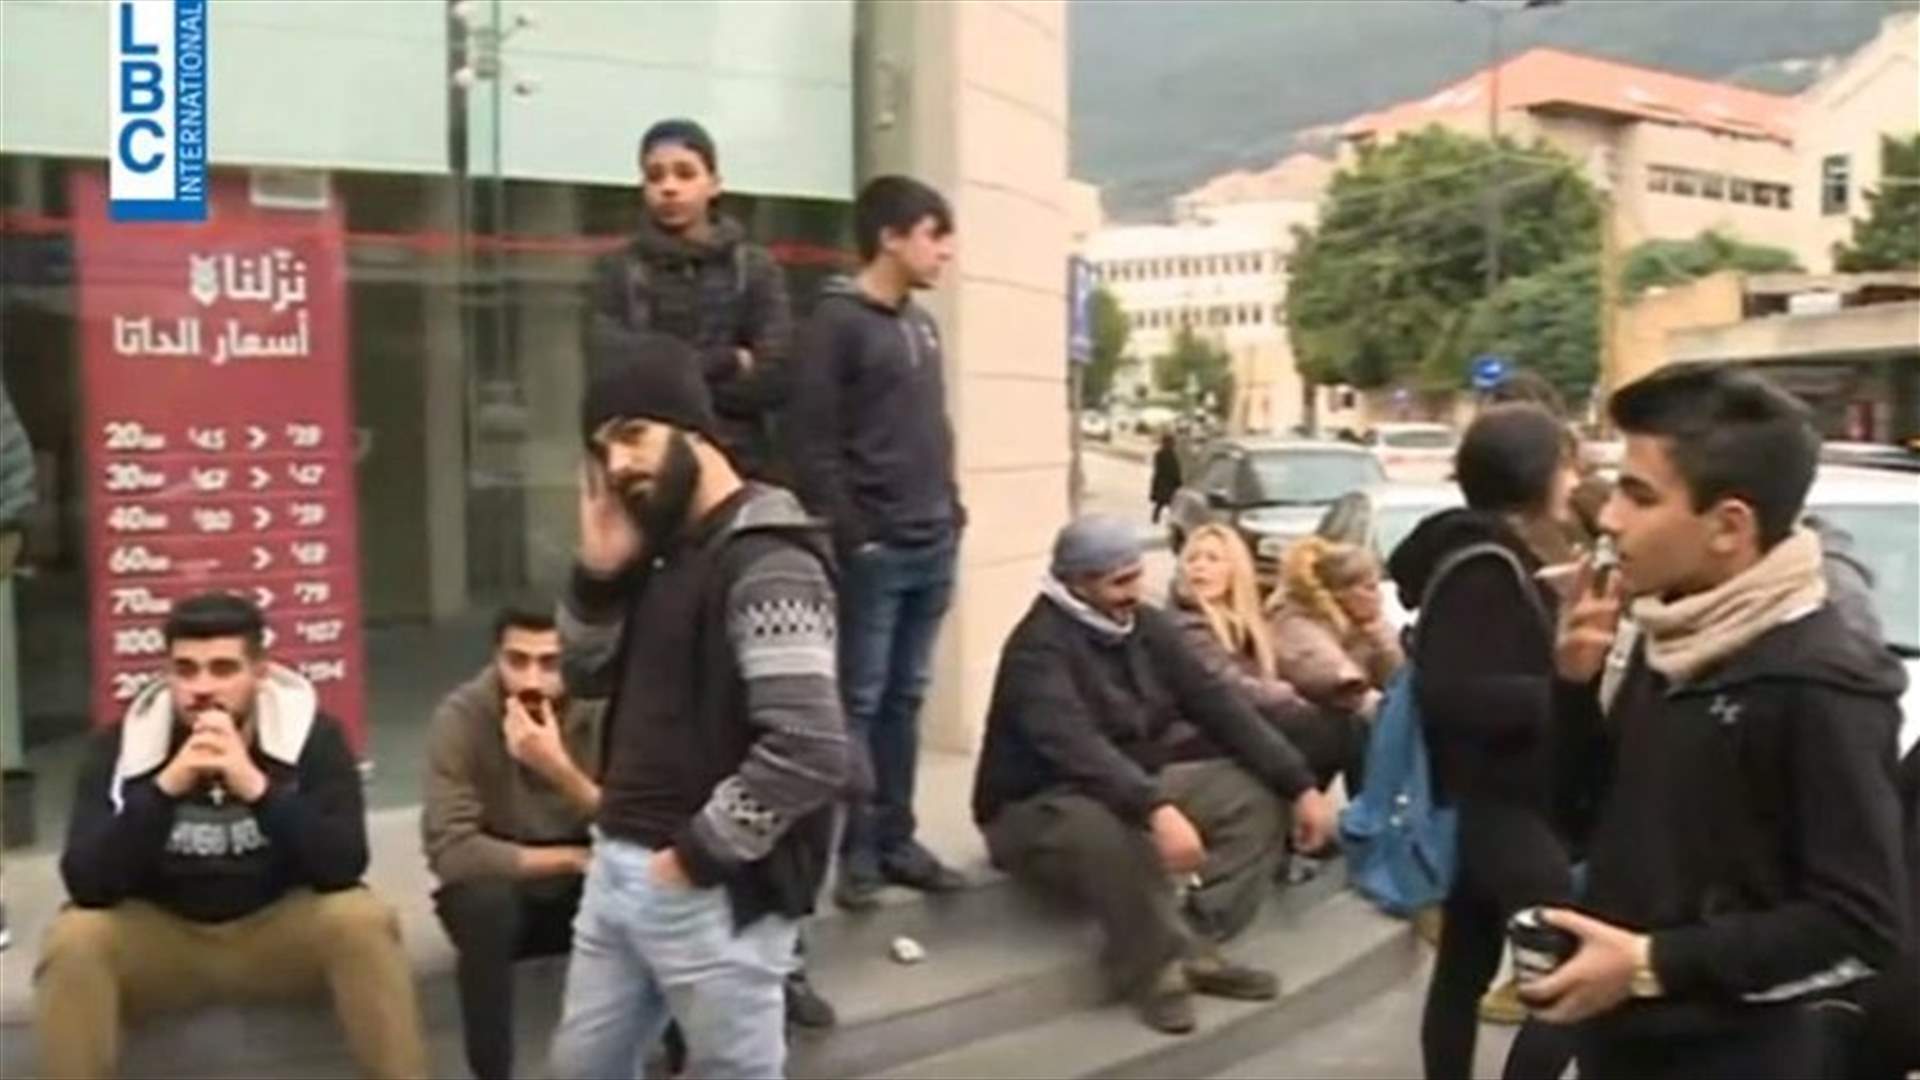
[
  {"x": 1083, "y": 613},
  {"x": 1688, "y": 636}
]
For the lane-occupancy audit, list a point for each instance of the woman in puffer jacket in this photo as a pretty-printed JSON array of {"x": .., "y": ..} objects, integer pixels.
[
  {"x": 1217, "y": 603},
  {"x": 1332, "y": 640}
]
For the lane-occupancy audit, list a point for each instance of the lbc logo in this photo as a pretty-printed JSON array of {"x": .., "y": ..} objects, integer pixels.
[{"x": 158, "y": 105}]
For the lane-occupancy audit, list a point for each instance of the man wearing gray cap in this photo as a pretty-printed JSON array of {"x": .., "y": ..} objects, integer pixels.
[{"x": 1073, "y": 796}]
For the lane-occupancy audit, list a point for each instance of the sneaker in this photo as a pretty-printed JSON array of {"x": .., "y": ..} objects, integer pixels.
[
  {"x": 1501, "y": 1005},
  {"x": 805, "y": 1007},
  {"x": 917, "y": 868},
  {"x": 1215, "y": 976},
  {"x": 1166, "y": 1005},
  {"x": 1427, "y": 923},
  {"x": 857, "y": 890}
]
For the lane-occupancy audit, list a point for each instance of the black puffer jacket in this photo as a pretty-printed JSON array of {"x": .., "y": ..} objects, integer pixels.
[
  {"x": 720, "y": 296},
  {"x": 1078, "y": 710}
]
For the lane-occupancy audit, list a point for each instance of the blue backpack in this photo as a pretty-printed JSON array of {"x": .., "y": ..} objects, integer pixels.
[{"x": 1402, "y": 848}]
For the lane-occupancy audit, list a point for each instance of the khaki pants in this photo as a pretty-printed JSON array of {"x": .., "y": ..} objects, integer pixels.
[{"x": 136, "y": 961}]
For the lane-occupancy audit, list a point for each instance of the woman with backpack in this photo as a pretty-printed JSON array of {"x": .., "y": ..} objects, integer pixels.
[{"x": 1485, "y": 687}]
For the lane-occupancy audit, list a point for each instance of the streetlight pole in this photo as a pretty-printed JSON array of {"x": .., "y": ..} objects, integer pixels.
[{"x": 1495, "y": 16}]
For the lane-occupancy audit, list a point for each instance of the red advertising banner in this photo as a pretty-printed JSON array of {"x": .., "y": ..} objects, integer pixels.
[{"x": 218, "y": 436}]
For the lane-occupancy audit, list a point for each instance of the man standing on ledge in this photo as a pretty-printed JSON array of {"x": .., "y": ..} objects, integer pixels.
[
  {"x": 873, "y": 452},
  {"x": 704, "y": 606}
]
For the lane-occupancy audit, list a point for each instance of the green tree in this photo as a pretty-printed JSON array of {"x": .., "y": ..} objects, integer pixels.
[
  {"x": 1548, "y": 322},
  {"x": 1383, "y": 289},
  {"x": 1888, "y": 238},
  {"x": 1110, "y": 332},
  {"x": 1197, "y": 362},
  {"x": 1675, "y": 262}
]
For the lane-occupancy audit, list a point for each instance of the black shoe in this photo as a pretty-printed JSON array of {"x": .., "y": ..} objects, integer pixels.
[
  {"x": 856, "y": 891},
  {"x": 917, "y": 868},
  {"x": 1215, "y": 976},
  {"x": 805, "y": 1007},
  {"x": 1166, "y": 1005}
]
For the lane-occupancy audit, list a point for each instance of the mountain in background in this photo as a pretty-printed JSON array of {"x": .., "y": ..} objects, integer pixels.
[{"x": 1166, "y": 93}]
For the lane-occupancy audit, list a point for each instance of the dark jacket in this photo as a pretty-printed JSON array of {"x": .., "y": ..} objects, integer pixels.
[
  {"x": 720, "y": 296},
  {"x": 725, "y": 737},
  {"x": 215, "y": 860},
  {"x": 871, "y": 443},
  {"x": 1078, "y": 711},
  {"x": 1485, "y": 656},
  {"x": 1166, "y": 476},
  {"x": 1750, "y": 822}
]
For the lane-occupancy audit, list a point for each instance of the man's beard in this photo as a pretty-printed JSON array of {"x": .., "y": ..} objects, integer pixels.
[{"x": 661, "y": 514}]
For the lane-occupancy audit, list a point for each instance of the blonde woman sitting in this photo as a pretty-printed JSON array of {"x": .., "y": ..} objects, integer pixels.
[
  {"x": 1216, "y": 603},
  {"x": 1331, "y": 637}
]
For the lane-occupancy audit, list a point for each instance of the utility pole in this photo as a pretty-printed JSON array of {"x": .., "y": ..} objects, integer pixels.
[{"x": 1496, "y": 14}]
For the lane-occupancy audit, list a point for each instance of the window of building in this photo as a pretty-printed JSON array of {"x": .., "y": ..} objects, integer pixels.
[
  {"x": 1659, "y": 178},
  {"x": 1785, "y": 195},
  {"x": 1740, "y": 191},
  {"x": 1685, "y": 182},
  {"x": 1763, "y": 195},
  {"x": 1713, "y": 186},
  {"x": 1835, "y": 174}
]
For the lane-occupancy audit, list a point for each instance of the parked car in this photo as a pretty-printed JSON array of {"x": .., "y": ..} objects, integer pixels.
[
  {"x": 1273, "y": 491},
  {"x": 1880, "y": 511},
  {"x": 1414, "y": 452},
  {"x": 1871, "y": 455},
  {"x": 1380, "y": 518},
  {"x": 1095, "y": 426}
]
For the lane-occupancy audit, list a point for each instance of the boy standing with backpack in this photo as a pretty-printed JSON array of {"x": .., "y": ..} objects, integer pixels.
[{"x": 689, "y": 272}]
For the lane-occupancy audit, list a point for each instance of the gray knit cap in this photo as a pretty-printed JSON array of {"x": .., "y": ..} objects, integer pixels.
[{"x": 1094, "y": 545}]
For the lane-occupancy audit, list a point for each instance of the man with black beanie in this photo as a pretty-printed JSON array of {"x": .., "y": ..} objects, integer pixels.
[
  {"x": 690, "y": 272},
  {"x": 702, "y": 606}
]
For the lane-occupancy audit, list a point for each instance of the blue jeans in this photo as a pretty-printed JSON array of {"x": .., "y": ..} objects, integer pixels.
[
  {"x": 646, "y": 953},
  {"x": 891, "y": 602}
]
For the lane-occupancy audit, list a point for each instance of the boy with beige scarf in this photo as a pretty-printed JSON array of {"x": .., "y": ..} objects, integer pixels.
[{"x": 1745, "y": 868}]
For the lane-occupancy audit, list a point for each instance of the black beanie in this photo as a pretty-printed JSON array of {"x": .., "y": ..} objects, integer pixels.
[
  {"x": 682, "y": 133},
  {"x": 645, "y": 376}
]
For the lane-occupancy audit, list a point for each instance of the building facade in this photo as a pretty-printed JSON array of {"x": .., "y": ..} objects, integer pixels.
[
  {"x": 1221, "y": 273},
  {"x": 1842, "y": 118},
  {"x": 473, "y": 160}
]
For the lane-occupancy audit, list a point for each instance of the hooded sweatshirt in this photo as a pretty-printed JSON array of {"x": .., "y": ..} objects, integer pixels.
[
  {"x": 872, "y": 446},
  {"x": 1749, "y": 821},
  {"x": 719, "y": 296},
  {"x": 1485, "y": 656},
  {"x": 208, "y": 856},
  {"x": 725, "y": 738}
]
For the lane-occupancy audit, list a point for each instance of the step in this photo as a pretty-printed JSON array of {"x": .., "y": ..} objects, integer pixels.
[
  {"x": 998, "y": 958},
  {"x": 1332, "y": 957}
]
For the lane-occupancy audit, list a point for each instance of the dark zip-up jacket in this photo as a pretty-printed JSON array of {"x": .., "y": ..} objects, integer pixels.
[
  {"x": 720, "y": 296},
  {"x": 872, "y": 446},
  {"x": 1078, "y": 711},
  {"x": 1749, "y": 822}
]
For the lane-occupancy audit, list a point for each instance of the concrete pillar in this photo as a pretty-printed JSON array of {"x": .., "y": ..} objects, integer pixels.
[
  {"x": 444, "y": 415},
  {"x": 972, "y": 98}
]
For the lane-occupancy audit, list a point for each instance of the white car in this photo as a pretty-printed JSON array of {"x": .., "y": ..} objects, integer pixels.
[
  {"x": 1879, "y": 510},
  {"x": 1096, "y": 426},
  {"x": 1415, "y": 453}
]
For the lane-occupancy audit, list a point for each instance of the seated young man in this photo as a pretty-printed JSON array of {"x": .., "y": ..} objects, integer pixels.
[
  {"x": 1072, "y": 796},
  {"x": 215, "y": 853},
  {"x": 510, "y": 790}
]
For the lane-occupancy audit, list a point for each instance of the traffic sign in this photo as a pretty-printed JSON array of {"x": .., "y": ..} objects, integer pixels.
[{"x": 1489, "y": 371}]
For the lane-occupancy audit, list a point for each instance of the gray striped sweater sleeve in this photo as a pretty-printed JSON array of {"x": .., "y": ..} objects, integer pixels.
[
  {"x": 782, "y": 625},
  {"x": 16, "y": 465}
]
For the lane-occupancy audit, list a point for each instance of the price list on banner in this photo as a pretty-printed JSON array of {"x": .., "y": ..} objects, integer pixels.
[{"x": 218, "y": 437}]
